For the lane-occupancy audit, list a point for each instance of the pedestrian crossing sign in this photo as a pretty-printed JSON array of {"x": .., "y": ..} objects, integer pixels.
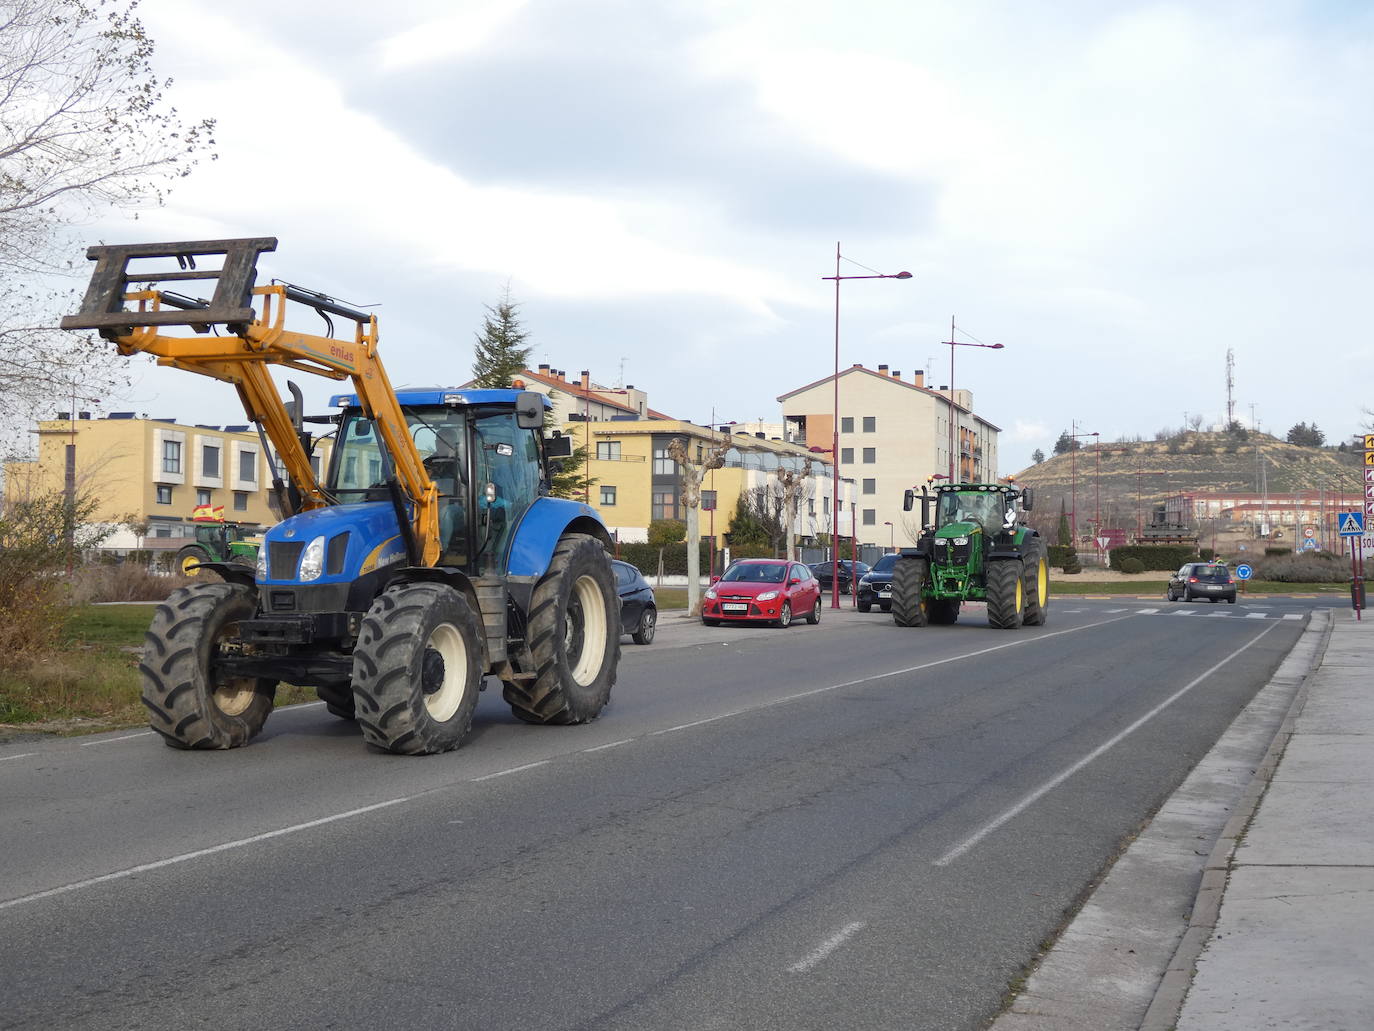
[{"x": 1352, "y": 524}]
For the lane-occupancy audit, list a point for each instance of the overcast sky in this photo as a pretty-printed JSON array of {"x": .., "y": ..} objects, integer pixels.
[{"x": 1117, "y": 192}]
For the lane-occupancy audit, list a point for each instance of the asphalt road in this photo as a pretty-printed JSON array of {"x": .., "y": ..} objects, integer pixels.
[{"x": 851, "y": 825}]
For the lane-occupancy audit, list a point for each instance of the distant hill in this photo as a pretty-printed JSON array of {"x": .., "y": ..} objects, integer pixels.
[{"x": 1188, "y": 462}]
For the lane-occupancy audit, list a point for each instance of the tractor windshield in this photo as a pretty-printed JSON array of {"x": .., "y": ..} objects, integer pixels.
[
  {"x": 986, "y": 508},
  {"x": 439, "y": 435}
]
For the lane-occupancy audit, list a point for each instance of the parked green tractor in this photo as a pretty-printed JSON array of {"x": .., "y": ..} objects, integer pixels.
[
  {"x": 976, "y": 548},
  {"x": 219, "y": 542}
]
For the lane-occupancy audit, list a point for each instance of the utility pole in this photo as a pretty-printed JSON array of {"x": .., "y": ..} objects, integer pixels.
[{"x": 1230, "y": 386}]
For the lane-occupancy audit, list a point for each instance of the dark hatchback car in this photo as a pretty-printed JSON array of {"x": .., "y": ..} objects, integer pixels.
[
  {"x": 638, "y": 612},
  {"x": 1209, "y": 580},
  {"x": 849, "y": 572},
  {"x": 875, "y": 586}
]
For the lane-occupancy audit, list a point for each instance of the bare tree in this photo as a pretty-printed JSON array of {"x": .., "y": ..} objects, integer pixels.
[
  {"x": 692, "y": 472},
  {"x": 792, "y": 485},
  {"x": 84, "y": 129}
]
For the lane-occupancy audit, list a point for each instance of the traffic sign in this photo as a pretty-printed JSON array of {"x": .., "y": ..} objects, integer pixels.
[
  {"x": 1102, "y": 542},
  {"x": 1369, "y": 441},
  {"x": 1352, "y": 524},
  {"x": 1309, "y": 531},
  {"x": 1369, "y": 512},
  {"x": 1309, "y": 545},
  {"x": 1369, "y": 488},
  {"x": 1369, "y": 458},
  {"x": 1243, "y": 572}
]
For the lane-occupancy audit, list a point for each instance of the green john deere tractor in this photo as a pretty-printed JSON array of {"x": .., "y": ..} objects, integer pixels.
[
  {"x": 219, "y": 542},
  {"x": 974, "y": 549}
]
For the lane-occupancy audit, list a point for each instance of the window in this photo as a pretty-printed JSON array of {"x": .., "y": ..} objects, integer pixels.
[
  {"x": 608, "y": 451},
  {"x": 870, "y": 486},
  {"x": 870, "y": 516},
  {"x": 708, "y": 501},
  {"x": 607, "y": 495},
  {"x": 846, "y": 456},
  {"x": 202, "y": 496},
  {"x": 248, "y": 466},
  {"x": 811, "y": 506},
  {"x": 847, "y": 424},
  {"x": 664, "y": 505},
  {"x": 663, "y": 463},
  {"x": 870, "y": 424},
  {"x": 315, "y": 466},
  {"x": 870, "y": 455},
  {"x": 164, "y": 494},
  {"x": 171, "y": 456},
  {"x": 240, "y": 501},
  {"x": 209, "y": 461}
]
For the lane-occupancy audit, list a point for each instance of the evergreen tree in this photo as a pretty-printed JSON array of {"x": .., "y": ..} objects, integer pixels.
[
  {"x": 1064, "y": 534},
  {"x": 1037, "y": 456},
  {"x": 1306, "y": 436},
  {"x": 501, "y": 353},
  {"x": 1066, "y": 443},
  {"x": 746, "y": 529}
]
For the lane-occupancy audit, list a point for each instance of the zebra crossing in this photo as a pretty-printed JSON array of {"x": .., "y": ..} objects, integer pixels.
[{"x": 1192, "y": 613}]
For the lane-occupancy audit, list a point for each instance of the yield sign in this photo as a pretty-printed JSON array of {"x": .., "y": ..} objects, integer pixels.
[{"x": 1102, "y": 542}]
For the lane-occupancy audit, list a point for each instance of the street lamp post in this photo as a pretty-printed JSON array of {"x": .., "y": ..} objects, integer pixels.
[
  {"x": 1073, "y": 475},
  {"x": 952, "y": 345},
  {"x": 835, "y": 434},
  {"x": 891, "y": 535}
]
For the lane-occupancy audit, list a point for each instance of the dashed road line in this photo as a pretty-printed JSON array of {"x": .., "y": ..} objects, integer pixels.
[
  {"x": 817, "y": 955},
  {"x": 21, "y": 755},
  {"x": 513, "y": 769}
]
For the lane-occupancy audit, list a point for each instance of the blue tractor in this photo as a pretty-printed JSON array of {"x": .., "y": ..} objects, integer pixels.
[{"x": 427, "y": 558}]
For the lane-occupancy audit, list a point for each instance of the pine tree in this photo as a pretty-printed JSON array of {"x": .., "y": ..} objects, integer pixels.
[
  {"x": 501, "y": 353},
  {"x": 1065, "y": 535}
]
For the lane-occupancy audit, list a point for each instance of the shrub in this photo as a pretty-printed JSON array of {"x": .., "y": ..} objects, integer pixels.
[
  {"x": 1157, "y": 557},
  {"x": 1276, "y": 552},
  {"x": 1072, "y": 565},
  {"x": 1132, "y": 565},
  {"x": 1206, "y": 554},
  {"x": 1060, "y": 554},
  {"x": 1306, "y": 568},
  {"x": 645, "y": 558},
  {"x": 131, "y": 581},
  {"x": 663, "y": 532}
]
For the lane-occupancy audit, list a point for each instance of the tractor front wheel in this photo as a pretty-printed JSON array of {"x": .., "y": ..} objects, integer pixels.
[
  {"x": 908, "y": 592},
  {"x": 191, "y": 701},
  {"x": 417, "y": 669},
  {"x": 573, "y": 637},
  {"x": 1006, "y": 594}
]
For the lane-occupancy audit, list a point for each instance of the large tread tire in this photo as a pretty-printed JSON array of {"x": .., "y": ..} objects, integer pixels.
[
  {"x": 1037, "y": 585},
  {"x": 573, "y": 637},
  {"x": 943, "y": 611},
  {"x": 190, "y": 555},
  {"x": 909, "y": 606},
  {"x": 1006, "y": 594},
  {"x": 417, "y": 670},
  {"x": 188, "y": 702}
]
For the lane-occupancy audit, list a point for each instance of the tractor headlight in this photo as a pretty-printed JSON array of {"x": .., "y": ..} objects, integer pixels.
[
  {"x": 960, "y": 541},
  {"x": 261, "y": 572},
  {"x": 312, "y": 561},
  {"x": 768, "y": 595}
]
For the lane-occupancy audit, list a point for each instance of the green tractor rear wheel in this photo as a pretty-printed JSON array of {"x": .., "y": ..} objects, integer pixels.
[
  {"x": 909, "y": 607},
  {"x": 1006, "y": 594},
  {"x": 188, "y": 557},
  {"x": 1037, "y": 585}
]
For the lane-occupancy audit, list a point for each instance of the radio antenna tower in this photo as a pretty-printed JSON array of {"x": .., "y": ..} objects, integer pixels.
[{"x": 1230, "y": 386}]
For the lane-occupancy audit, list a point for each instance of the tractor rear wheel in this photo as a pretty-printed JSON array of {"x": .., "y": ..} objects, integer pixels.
[
  {"x": 908, "y": 592},
  {"x": 190, "y": 701},
  {"x": 417, "y": 669},
  {"x": 573, "y": 638},
  {"x": 1037, "y": 585},
  {"x": 189, "y": 556},
  {"x": 1006, "y": 594}
]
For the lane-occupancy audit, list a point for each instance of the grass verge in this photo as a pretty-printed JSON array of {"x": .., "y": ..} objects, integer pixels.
[{"x": 92, "y": 683}]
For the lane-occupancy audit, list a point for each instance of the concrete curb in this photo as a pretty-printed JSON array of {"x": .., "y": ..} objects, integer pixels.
[{"x": 1167, "y": 1004}]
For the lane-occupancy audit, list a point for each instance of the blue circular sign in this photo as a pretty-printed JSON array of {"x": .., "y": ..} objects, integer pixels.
[{"x": 1243, "y": 572}]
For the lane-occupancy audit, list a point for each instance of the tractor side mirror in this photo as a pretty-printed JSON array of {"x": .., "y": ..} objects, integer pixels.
[
  {"x": 558, "y": 446},
  {"x": 908, "y": 500},
  {"x": 529, "y": 410},
  {"x": 1027, "y": 498}
]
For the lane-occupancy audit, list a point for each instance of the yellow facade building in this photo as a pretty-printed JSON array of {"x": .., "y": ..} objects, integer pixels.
[{"x": 153, "y": 472}]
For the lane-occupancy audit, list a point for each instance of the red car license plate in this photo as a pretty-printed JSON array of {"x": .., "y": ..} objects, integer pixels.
[{"x": 734, "y": 607}]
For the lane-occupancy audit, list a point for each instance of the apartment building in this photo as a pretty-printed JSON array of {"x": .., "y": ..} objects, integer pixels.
[
  {"x": 153, "y": 471},
  {"x": 893, "y": 434}
]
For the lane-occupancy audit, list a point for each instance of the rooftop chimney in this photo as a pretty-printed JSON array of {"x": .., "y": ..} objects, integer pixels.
[
  {"x": 586, "y": 379},
  {"x": 920, "y": 377},
  {"x": 882, "y": 370},
  {"x": 896, "y": 374},
  {"x": 544, "y": 369}
]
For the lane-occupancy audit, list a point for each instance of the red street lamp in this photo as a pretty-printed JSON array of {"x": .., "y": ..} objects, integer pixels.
[
  {"x": 952, "y": 345},
  {"x": 835, "y": 453}
]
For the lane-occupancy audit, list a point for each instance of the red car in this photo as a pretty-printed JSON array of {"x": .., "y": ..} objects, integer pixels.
[{"x": 763, "y": 590}]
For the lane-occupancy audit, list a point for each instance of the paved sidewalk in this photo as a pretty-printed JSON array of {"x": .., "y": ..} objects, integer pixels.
[{"x": 1293, "y": 945}]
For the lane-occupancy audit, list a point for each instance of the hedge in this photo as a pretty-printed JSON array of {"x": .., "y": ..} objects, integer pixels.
[
  {"x": 1164, "y": 557},
  {"x": 644, "y": 557}
]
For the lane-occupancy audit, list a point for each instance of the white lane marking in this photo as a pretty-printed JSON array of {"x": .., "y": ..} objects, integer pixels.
[
  {"x": 1292, "y": 615},
  {"x": 827, "y": 947},
  {"x": 697, "y": 723},
  {"x": 1111, "y": 611},
  {"x": 199, "y": 853},
  {"x": 1257, "y": 615},
  {"x": 112, "y": 740},
  {"x": 513, "y": 769},
  {"x": 1147, "y": 612},
  {"x": 1100, "y": 750},
  {"x": 613, "y": 744},
  {"x": 21, "y": 755},
  {"x": 1183, "y": 612}
]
